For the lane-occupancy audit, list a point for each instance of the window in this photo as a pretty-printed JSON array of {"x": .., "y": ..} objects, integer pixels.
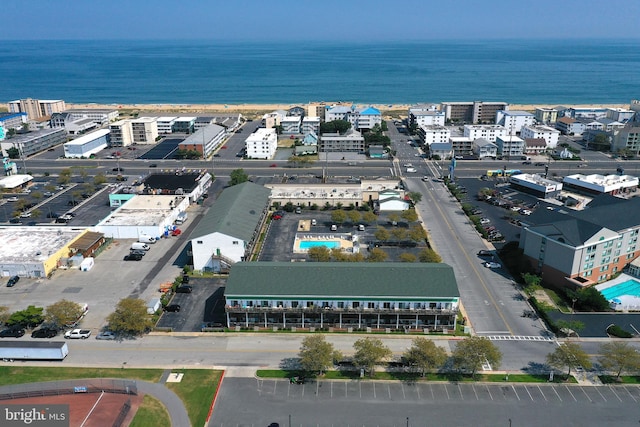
[
  {"x": 604, "y": 268},
  {"x": 371, "y": 305},
  {"x": 309, "y": 304},
  {"x": 606, "y": 260},
  {"x": 356, "y": 304},
  {"x": 265, "y": 303},
  {"x": 591, "y": 249},
  {"x": 235, "y": 242},
  {"x": 386, "y": 305},
  {"x": 280, "y": 303},
  {"x": 587, "y": 273},
  {"x": 199, "y": 242},
  {"x": 234, "y": 303},
  {"x": 341, "y": 304},
  {"x": 588, "y": 265},
  {"x": 294, "y": 304},
  {"x": 608, "y": 244}
]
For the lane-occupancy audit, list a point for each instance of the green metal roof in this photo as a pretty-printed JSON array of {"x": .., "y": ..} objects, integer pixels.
[
  {"x": 359, "y": 279},
  {"x": 235, "y": 213}
]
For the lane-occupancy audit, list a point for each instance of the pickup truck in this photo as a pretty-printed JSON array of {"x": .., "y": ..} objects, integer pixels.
[{"x": 78, "y": 333}]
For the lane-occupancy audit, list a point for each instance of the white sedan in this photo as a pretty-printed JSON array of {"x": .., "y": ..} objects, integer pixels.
[
  {"x": 106, "y": 335},
  {"x": 490, "y": 264}
]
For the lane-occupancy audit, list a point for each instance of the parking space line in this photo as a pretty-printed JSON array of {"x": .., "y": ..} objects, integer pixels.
[
  {"x": 574, "y": 398},
  {"x": 374, "y": 390},
  {"x": 331, "y": 389},
  {"x": 418, "y": 390},
  {"x": 275, "y": 383},
  {"x": 317, "y": 388},
  {"x": 474, "y": 391},
  {"x": 489, "y": 391},
  {"x": 360, "y": 386},
  {"x": 404, "y": 396},
  {"x": 460, "y": 391},
  {"x": 585, "y": 393},
  {"x": 556, "y": 392},
  {"x": 514, "y": 390},
  {"x": 630, "y": 395},
  {"x": 432, "y": 396},
  {"x": 288, "y": 388},
  {"x": 527, "y": 390},
  {"x": 616, "y": 394},
  {"x": 602, "y": 396},
  {"x": 540, "y": 390},
  {"x": 447, "y": 390}
]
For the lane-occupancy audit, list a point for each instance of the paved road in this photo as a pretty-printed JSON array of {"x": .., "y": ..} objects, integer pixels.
[{"x": 255, "y": 402}]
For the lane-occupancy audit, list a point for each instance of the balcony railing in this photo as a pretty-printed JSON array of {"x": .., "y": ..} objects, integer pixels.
[{"x": 335, "y": 310}]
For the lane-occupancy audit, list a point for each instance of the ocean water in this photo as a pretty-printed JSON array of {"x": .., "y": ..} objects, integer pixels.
[{"x": 522, "y": 72}]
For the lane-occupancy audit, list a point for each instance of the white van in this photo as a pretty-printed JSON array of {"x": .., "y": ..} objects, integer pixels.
[
  {"x": 146, "y": 239},
  {"x": 314, "y": 222},
  {"x": 181, "y": 218},
  {"x": 140, "y": 246}
]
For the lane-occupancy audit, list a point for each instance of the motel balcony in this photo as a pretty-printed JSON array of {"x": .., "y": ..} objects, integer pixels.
[{"x": 335, "y": 310}]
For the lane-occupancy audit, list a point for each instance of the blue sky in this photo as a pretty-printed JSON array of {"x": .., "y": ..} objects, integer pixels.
[{"x": 354, "y": 20}]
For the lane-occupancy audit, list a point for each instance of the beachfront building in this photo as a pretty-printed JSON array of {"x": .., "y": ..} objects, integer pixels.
[
  {"x": 627, "y": 140},
  {"x": 184, "y": 125},
  {"x": 100, "y": 116},
  {"x": 291, "y": 125},
  {"x": 595, "y": 184},
  {"x": 461, "y": 144},
  {"x": 622, "y": 115},
  {"x": 549, "y": 134},
  {"x": 310, "y": 124},
  {"x": 229, "y": 230},
  {"x": 432, "y": 134},
  {"x": 485, "y": 149},
  {"x": 205, "y": 141},
  {"x": 360, "y": 118},
  {"x": 391, "y": 296},
  {"x": 586, "y": 113},
  {"x": 262, "y": 144},
  {"x": 581, "y": 248},
  {"x": 120, "y": 134},
  {"x": 87, "y": 145},
  {"x": 165, "y": 124},
  {"x": 569, "y": 126},
  {"x": 273, "y": 119},
  {"x": 510, "y": 146},
  {"x": 36, "y": 108},
  {"x": 535, "y": 146},
  {"x": 352, "y": 141},
  {"x": 12, "y": 120},
  {"x": 545, "y": 115},
  {"x": 144, "y": 130},
  {"x": 488, "y": 132},
  {"x": 71, "y": 125},
  {"x": 425, "y": 114},
  {"x": 513, "y": 121},
  {"x": 34, "y": 142},
  {"x": 472, "y": 112},
  {"x": 536, "y": 185}
]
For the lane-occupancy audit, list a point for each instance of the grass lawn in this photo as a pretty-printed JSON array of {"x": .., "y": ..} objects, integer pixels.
[
  {"x": 151, "y": 413},
  {"x": 408, "y": 376},
  {"x": 196, "y": 390},
  {"x": 10, "y": 375},
  {"x": 611, "y": 379}
]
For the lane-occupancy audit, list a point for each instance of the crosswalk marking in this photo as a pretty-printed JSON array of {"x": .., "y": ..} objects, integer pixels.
[{"x": 518, "y": 338}]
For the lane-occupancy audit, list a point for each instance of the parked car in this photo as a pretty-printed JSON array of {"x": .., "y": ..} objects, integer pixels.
[
  {"x": 133, "y": 257},
  {"x": 172, "y": 308},
  {"x": 184, "y": 289},
  {"x": 12, "y": 333},
  {"x": 15, "y": 221},
  {"x": 176, "y": 232},
  {"x": 491, "y": 264},
  {"x": 485, "y": 253},
  {"x": 153, "y": 165},
  {"x": 137, "y": 252},
  {"x": 25, "y": 215},
  {"x": 185, "y": 279},
  {"x": 485, "y": 220},
  {"x": 12, "y": 281},
  {"x": 539, "y": 164},
  {"x": 78, "y": 334},
  {"x": 117, "y": 170},
  {"x": 44, "y": 333},
  {"x": 12, "y": 199},
  {"x": 106, "y": 335}
]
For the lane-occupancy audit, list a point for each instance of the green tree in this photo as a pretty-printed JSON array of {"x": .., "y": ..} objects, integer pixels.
[
  {"x": 407, "y": 257},
  {"x": 63, "y": 313},
  {"x": 369, "y": 352},
  {"x": 382, "y": 234},
  {"x": 600, "y": 142},
  {"x": 28, "y": 318},
  {"x": 319, "y": 254},
  {"x": 473, "y": 352},
  {"x": 383, "y": 126},
  {"x": 394, "y": 218},
  {"x": 99, "y": 179},
  {"x": 399, "y": 233},
  {"x": 410, "y": 215},
  {"x": 354, "y": 216},
  {"x": 377, "y": 255},
  {"x": 340, "y": 126},
  {"x": 4, "y": 314},
  {"x": 369, "y": 217},
  {"x": 10, "y": 134},
  {"x": 130, "y": 317},
  {"x": 316, "y": 354},
  {"x": 619, "y": 357},
  {"x": 238, "y": 176},
  {"x": 417, "y": 233},
  {"x": 415, "y": 197},
  {"x": 64, "y": 177},
  {"x": 338, "y": 216},
  {"x": 83, "y": 174},
  {"x": 429, "y": 255},
  {"x": 424, "y": 355},
  {"x": 37, "y": 195},
  {"x": 569, "y": 355},
  {"x": 588, "y": 299}
]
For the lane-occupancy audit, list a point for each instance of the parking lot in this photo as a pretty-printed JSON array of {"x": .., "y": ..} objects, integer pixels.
[{"x": 390, "y": 403}]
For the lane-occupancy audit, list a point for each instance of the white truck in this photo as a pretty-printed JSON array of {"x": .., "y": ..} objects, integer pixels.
[
  {"x": 28, "y": 350},
  {"x": 146, "y": 239},
  {"x": 78, "y": 334},
  {"x": 140, "y": 246},
  {"x": 181, "y": 218}
]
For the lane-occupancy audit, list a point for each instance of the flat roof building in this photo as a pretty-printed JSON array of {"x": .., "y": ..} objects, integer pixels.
[
  {"x": 472, "y": 112},
  {"x": 205, "y": 141},
  {"x": 536, "y": 185},
  {"x": 87, "y": 145},
  {"x": 600, "y": 184},
  {"x": 36, "y": 108},
  {"x": 34, "y": 142}
]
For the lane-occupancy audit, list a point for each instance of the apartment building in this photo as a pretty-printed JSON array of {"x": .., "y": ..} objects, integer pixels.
[
  {"x": 510, "y": 146},
  {"x": 165, "y": 124},
  {"x": 205, "y": 141},
  {"x": 121, "y": 134},
  {"x": 472, "y": 112},
  {"x": 101, "y": 116},
  {"x": 291, "y": 125},
  {"x": 34, "y": 142},
  {"x": 627, "y": 139},
  {"x": 310, "y": 124},
  {"x": 513, "y": 121},
  {"x": 273, "y": 119},
  {"x": 549, "y": 134},
  {"x": 36, "y": 108},
  {"x": 488, "y": 132},
  {"x": 262, "y": 144},
  {"x": 485, "y": 149},
  {"x": 12, "y": 120},
  {"x": 425, "y": 115},
  {"x": 351, "y": 141},
  {"x": 461, "y": 144},
  {"x": 184, "y": 125},
  {"x": 144, "y": 130},
  {"x": 430, "y": 134},
  {"x": 569, "y": 126},
  {"x": 621, "y": 115},
  {"x": 546, "y": 115},
  {"x": 360, "y": 118}
]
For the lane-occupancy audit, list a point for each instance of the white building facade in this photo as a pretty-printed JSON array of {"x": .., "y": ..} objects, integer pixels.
[
  {"x": 434, "y": 134},
  {"x": 262, "y": 144},
  {"x": 144, "y": 130},
  {"x": 513, "y": 120},
  {"x": 549, "y": 134},
  {"x": 488, "y": 132},
  {"x": 87, "y": 145}
]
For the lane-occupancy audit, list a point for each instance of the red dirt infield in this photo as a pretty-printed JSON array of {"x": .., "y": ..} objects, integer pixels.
[{"x": 104, "y": 413}]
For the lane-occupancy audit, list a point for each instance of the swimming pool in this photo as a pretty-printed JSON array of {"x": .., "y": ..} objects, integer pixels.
[
  {"x": 630, "y": 287},
  {"x": 330, "y": 244}
]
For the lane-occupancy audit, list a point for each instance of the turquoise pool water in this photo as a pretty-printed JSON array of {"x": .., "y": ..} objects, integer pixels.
[
  {"x": 330, "y": 244},
  {"x": 630, "y": 287}
]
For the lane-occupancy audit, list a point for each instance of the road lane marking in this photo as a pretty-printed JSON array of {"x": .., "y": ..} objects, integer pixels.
[
  {"x": 374, "y": 390},
  {"x": 432, "y": 396},
  {"x": 404, "y": 396}
]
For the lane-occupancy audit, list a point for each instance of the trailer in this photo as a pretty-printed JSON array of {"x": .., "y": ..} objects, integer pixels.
[{"x": 27, "y": 350}]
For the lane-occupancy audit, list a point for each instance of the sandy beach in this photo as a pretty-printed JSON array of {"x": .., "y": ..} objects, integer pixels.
[{"x": 252, "y": 109}]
